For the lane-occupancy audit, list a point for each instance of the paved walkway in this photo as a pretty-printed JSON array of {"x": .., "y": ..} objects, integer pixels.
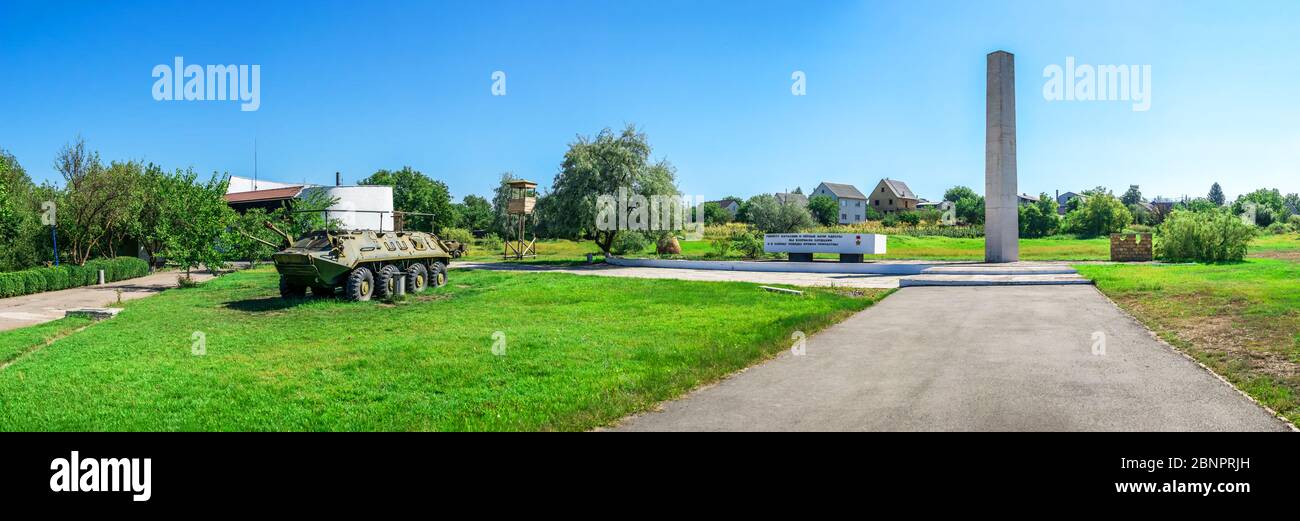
[
  {"x": 1013, "y": 358},
  {"x": 608, "y": 270},
  {"x": 28, "y": 310}
]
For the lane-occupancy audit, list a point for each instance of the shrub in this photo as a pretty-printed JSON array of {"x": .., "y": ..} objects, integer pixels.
[
  {"x": 1203, "y": 237},
  {"x": 490, "y": 242},
  {"x": 909, "y": 218},
  {"x": 1278, "y": 228},
  {"x": 54, "y": 278},
  {"x": 1039, "y": 219},
  {"x": 460, "y": 235},
  {"x": 720, "y": 247},
  {"x": 725, "y": 231},
  {"x": 629, "y": 242},
  {"x": 749, "y": 244},
  {"x": 890, "y": 220}
]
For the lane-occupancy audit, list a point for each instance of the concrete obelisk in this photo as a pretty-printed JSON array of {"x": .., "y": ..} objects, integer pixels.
[{"x": 1001, "y": 214}]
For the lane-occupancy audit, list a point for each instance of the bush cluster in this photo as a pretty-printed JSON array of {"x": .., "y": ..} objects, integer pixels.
[
  {"x": 460, "y": 235},
  {"x": 53, "y": 278},
  {"x": 630, "y": 241},
  {"x": 1203, "y": 237}
]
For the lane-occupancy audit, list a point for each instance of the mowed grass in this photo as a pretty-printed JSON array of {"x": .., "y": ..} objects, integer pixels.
[
  {"x": 1241, "y": 319},
  {"x": 579, "y": 352},
  {"x": 15, "y": 343}
]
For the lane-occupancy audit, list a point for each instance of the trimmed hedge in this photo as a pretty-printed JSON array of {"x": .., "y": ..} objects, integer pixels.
[{"x": 54, "y": 278}]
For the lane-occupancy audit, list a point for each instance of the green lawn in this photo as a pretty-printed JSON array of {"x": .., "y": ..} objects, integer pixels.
[
  {"x": 581, "y": 352},
  {"x": 1241, "y": 319},
  {"x": 14, "y": 343}
]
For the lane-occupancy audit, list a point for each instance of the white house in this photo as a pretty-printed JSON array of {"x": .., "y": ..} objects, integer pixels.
[{"x": 852, "y": 203}]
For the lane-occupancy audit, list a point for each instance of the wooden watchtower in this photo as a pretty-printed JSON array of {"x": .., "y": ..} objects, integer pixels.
[{"x": 523, "y": 196}]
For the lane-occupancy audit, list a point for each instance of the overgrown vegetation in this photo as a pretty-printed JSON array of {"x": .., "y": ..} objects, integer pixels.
[{"x": 1203, "y": 237}]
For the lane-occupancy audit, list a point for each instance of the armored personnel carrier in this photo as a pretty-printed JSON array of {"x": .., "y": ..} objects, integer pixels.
[{"x": 362, "y": 263}]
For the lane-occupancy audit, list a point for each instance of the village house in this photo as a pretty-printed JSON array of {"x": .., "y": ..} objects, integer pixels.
[
  {"x": 852, "y": 204},
  {"x": 730, "y": 205},
  {"x": 892, "y": 195}
]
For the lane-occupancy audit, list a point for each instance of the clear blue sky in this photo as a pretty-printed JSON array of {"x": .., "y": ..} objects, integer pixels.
[{"x": 893, "y": 89}]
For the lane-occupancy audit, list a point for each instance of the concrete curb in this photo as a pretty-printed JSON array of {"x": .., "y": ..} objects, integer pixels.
[
  {"x": 783, "y": 267},
  {"x": 1022, "y": 280}
]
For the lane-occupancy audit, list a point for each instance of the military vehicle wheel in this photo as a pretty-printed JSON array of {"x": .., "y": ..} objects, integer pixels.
[
  {"x": 386, "y": 281},
  {"x": 360, "y": 285},
  {"x": 291, "y": 290},
  {"x": 437, "y": 274},
  {"x": 417, "y": 278}
]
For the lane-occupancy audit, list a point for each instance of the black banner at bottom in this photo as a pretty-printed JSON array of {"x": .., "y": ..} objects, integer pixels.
[{"x": 325, "y": 471}]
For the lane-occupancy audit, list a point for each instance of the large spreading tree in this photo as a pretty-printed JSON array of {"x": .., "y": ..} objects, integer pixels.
[{"x": 601, "y": 165}]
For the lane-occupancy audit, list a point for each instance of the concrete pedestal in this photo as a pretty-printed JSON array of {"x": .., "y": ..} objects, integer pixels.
[{"x": 1001, "y": 213}]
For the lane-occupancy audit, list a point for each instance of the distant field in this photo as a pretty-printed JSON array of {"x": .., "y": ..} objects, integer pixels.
[{"x": 574, "y": 356}]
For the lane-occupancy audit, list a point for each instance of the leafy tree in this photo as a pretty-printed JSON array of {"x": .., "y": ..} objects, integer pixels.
[
  {"x": 147, "y": 201},
  {"x": 20, "y": 232},
  {"x": 1216, "y": 195},
  {"x": 194, "y": 220},
  {"x": 824, "y": 209},
  {"x": 249, "y": 239},
  {"x": 1039, "y": 219},
  {"x": 9, "y": 215},
  {"x": 715, "y": 214},
  {"x": 970, "y": 209},
  {"x": 1200, "y": 204},
  {"x": 768, "y": 214},
  {"x": 601, "y": 166},
  {"x": 92, "y": 202},
  {"x": 1101, "y": 214},
  {"x": 1132, "y": 196},
  {"x": 958, "y": 193},
  {"x": 1292, "y": 204},
  {"x": 1269, "y": 205},
  {"x": 475, "y": 213},
  {"x": 1141, "y": 215},
  {"x": 416, "y": 192},
  {"x": 872, "y": 214},
  {"x": 304, "y": 214}
]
